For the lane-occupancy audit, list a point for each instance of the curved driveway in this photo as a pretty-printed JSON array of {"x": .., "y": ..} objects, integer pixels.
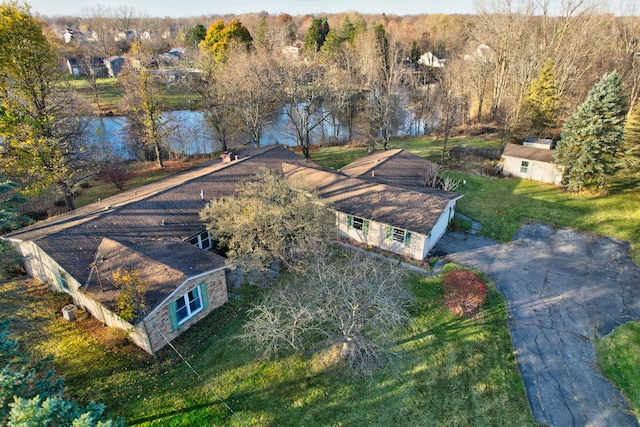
[{"x": 563, "y": 289}]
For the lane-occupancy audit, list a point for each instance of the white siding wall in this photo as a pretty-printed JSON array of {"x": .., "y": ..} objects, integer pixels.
[
  {"x": 377, "y": 236},
  {"x": 537, "y": 171}
]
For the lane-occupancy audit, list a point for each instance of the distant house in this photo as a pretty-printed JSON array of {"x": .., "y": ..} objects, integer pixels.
[
  {"x": 291, "y": 52},
  {"x": 436, "y": 59},
  {"x": 92, "y": 66},
  {"x": 114, "y": 65},
  {"x": 531, "y": 162}
]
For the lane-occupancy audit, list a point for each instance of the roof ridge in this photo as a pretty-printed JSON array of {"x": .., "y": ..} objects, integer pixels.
[{"x": 116, "y": 202}]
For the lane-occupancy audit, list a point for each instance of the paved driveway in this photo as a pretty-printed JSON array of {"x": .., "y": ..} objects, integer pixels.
[{"x": 563, "y": 289}]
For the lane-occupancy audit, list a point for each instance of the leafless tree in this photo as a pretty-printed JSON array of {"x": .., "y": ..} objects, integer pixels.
[
  {"x": 300, "y": 88},
  {"x": 347, "y": 304},
  {"x": 252, "y": 103},
  {"x": 100, "y": 21}
]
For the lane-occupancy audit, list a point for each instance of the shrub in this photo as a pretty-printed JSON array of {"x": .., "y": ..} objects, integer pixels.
[
  {"x": 464, "y": 292},
  {"x": 116, "y": 176},
  {"x": 131, "y": 300}
]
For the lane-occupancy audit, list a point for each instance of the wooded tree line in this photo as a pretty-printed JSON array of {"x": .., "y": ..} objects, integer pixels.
[{"x": 520, "y": 68}]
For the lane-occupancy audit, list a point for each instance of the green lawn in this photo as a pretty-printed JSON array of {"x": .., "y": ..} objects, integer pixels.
[
  {"x": 173, "y": 97},
  {"x": 449, "y": 372},
  {"x": 619, "y": 360},
  {"x": 502, "y": 205}
]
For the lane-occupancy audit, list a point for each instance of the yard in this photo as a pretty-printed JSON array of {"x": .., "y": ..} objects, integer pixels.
[
  {"x": 174, "y": 97},
  {"x": 449, "y": 371}
]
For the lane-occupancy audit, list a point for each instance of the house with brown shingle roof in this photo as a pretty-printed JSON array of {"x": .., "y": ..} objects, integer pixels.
[
  {"x": 531, "y": 162},
  {"x": 379, "y": 201},
  {"x": 156, "y": 230}
]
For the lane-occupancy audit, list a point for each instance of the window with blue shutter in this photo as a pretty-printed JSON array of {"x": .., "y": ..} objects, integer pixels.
[{"x": 188, "y": 305}]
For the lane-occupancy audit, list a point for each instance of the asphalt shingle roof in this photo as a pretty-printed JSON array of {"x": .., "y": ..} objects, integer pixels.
[
  {"x": 151, "y": 223},
  {"x": 408, "y": 209},
  {"x": 528, "y": 153}
]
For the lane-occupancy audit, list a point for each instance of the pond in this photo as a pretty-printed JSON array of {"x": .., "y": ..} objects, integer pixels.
[{"x": 191, "y": 134}]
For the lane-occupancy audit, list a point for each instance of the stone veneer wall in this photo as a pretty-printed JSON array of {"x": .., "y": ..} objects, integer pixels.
[{"x": 158, "y": 324}]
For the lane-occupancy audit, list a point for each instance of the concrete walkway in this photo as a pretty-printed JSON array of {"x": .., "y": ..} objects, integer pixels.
[{"x": 563, "y": 289}]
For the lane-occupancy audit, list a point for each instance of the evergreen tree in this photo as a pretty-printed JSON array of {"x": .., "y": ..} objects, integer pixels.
[
  {"x": 592, "y": 138},
  {"x": 316, "y": 35},
  {"x": 540, "y": 104},
  {"x": 195, "y": 35},
  {"x": 32, "y": 395}
]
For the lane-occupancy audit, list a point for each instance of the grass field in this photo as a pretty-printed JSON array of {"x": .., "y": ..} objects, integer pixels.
[
  {"x": 449, "y": 372},
  {"x": 619, "y": 360},
  {"x": 174, "y": 97}
]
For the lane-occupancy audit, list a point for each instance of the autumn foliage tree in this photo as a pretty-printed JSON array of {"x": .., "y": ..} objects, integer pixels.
[
  {"x": 540, "y": 104},
  {"x": 464, "y": 292},
  {"x": 632, "y": 137},
  {"x": 43, "y": 125},
  {"x": 220, "y": 38},
  {"x": 130, "y": 300}
]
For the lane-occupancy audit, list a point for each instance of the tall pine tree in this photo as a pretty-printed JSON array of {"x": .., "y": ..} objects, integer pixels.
[
  {"x": 541, "y": 103},
  {"x": 592, "y": 138}
]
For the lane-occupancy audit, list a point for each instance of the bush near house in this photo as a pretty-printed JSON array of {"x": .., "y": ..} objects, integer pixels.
[{"x": 464, "y": 292}]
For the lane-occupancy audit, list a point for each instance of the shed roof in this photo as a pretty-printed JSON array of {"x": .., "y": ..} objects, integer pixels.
[{"x": 528, "y": 153}]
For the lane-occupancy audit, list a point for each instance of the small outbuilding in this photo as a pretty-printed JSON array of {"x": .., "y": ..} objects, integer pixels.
[{"x": 531, "y": 162}]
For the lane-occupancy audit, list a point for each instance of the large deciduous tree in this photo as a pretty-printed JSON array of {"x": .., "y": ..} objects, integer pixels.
[
  {"x": 592, "y": 138},
  {"x": 220, "y": 38},
  {"x": 142, "y": 104},
  {"x": 347, "y": 304},
  {"x": 42, "y": 123},
  {"x": 301, "y": 89},
  {"x": 268, "y": 222}
]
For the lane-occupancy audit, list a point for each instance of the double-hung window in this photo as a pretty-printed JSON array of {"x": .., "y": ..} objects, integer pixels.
[
  {"x": 188, "y": 305},
  {"x": 399, "y": 235},
  {"x": 201, "y": 240},
  {"x": 359, "y": 224},
  {"x": 524, "y": 167}
]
